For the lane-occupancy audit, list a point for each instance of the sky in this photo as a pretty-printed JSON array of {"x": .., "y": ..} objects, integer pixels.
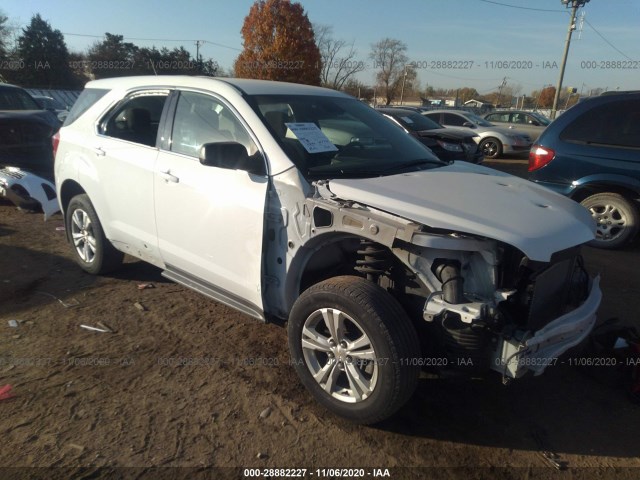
[{"x": 490, "y": 42}]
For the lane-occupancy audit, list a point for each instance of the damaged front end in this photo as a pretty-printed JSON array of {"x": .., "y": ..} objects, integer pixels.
[
  {"x": 491, "y": 307},
  {"x": 479, "y": 304},
  {"x": 28, "y": 190}
]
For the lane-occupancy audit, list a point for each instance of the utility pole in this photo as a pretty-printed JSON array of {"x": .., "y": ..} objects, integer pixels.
[
  {"x": 574, "y": 4},
  {"x": 504, "y": 82},
  {"x": 198, "y": 43},
  {"x": 404, "y": 79}
]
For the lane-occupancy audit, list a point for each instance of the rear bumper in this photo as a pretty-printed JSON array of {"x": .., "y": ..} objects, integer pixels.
[{"x": 541, "y": 350}]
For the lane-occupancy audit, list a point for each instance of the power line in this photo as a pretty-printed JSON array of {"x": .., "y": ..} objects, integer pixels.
[
  {"x": 156, "y": 40},
  {"x": 560, "y": 11},
  {"x": 522, "y": 8},
  {"x": 607, "y": 41}
]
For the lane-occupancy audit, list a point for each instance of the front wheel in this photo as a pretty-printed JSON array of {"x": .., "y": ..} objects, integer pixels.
[
  {"x": 491, "y": 147},
  {"x": 353, "y": 348},
  {"x": 92, "y": 250},
  {"x": 617, "y": 219}
]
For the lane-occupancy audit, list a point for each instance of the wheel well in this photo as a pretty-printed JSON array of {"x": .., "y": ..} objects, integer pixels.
[
  {"x": 334, "y": 257},
  {"x": 591, "y": 189},
  {"x": 69, "y": 190},
  {"x": 359, "y": 256}
]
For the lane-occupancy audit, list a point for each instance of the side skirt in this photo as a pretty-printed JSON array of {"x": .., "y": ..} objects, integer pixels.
[{"x": 213, "y": 292}]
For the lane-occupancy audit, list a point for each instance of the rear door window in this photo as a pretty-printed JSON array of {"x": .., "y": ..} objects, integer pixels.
[
  {"x": 137, "y": 118},
  {"x": 615, "y": 124}
]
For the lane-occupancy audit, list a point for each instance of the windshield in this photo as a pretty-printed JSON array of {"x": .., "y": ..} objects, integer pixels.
[
  {"x": 414, "y": 121},
  {"x": 332, "y": 137},
  {"x": 478, "y": 120}
]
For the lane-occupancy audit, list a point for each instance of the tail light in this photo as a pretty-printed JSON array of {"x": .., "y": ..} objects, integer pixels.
[
  {"x": 55, "y": 141},
  {"x": 539, "y": 157}
]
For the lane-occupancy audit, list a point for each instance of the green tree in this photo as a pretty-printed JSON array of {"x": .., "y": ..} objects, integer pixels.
[
  {"x": 113, "y": 57},
  {"x": 44, "y": 54},
  {"x": 389, "y": 58},
  {"x": 279, "y": 44},
  {"x": 172, "y": 62}
]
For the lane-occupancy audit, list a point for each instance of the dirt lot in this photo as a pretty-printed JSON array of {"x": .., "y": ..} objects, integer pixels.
[{"x": 191, "y": 383}]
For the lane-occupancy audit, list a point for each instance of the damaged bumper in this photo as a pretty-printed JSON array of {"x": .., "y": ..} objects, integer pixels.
[
  {"x": 541, "y": 350},
  {"x": 28, "y": 190}
]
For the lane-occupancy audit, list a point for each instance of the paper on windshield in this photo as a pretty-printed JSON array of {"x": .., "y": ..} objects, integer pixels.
[{"x": 311, "y": 137}]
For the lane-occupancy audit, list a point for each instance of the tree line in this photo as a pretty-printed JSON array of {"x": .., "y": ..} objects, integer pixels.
[{"x": 279, "y": 43}]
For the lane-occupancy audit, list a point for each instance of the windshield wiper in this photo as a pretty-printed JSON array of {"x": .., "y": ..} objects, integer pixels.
[{"x": 415, "y": 163}]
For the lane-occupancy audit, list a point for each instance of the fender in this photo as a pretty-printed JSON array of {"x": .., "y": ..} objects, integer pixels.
[{"x": 623, "y": 181}]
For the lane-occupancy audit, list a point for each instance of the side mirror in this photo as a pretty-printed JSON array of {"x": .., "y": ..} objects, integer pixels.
[
  {"x": 533, "y": 122},
  {"x": 232, "y": 156},
  {"x": 468, "y": 125}
]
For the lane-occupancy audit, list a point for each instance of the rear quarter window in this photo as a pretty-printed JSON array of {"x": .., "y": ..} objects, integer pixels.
[
  {"x": 615, "y": 124},
  {"x": 85, "y": 101}
]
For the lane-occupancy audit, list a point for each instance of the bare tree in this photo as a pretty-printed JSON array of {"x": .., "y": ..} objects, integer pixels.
[
  {"x": 8, "y": 37},
  {"x": 336, "y": 69},
  {"x": 389, "y": 59}
]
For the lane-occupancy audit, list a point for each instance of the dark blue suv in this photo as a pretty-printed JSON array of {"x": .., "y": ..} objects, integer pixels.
[{"x": 591, "y": 153}]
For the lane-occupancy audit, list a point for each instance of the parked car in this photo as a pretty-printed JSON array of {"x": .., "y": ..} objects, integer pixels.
[
  {"x": 300, "y": 204},
  {"x": 26, "y": 154},
  {"x": 532, "y": 123},
  {"x": 51, "y": 104},
  {"x": 494, "y": 141},
  {"x": 447, "y": 144},
  {"x": 591, "y": 153}
]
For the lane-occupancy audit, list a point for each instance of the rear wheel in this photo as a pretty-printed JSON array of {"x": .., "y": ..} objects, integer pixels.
[
  {"x": 491, "y": 147},
  {"x": 93, "y": 252},
  {"x": 353, "y": 347},
  {"x": 617, "y": 219}
]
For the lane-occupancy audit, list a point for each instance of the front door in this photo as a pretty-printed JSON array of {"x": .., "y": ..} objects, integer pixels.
[{"x": 210, "y": 219}]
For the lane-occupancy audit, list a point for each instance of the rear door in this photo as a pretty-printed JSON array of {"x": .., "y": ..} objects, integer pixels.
[
  {"x": 124, "y": 155},
  {"x": 210, "y": 219},
  {"x": 524, "y": 123}
]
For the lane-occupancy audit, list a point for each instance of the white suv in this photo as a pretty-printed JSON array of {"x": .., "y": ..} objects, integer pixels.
[{"x": 301, "y": 204}]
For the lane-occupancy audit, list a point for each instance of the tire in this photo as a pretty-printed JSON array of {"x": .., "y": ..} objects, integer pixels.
[
  {"x": 491, "y": 147},
  {"x": 364, "y": 370},
  {"x": 617, "y": 219},
  {"x": 91, "y": 249}
]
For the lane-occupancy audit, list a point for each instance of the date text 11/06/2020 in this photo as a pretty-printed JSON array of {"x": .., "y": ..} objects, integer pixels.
[
  {"x": 572, "y": 362},
  {"x": 317, "y": 472}
]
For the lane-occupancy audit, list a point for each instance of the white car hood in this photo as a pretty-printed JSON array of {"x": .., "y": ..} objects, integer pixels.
[{"x": 477, "y": 200}]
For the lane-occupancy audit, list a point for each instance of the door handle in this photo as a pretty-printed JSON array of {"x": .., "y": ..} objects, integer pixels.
[
  {"x": 168, "y": 177},
  {"x": 99, "y": 152}
]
